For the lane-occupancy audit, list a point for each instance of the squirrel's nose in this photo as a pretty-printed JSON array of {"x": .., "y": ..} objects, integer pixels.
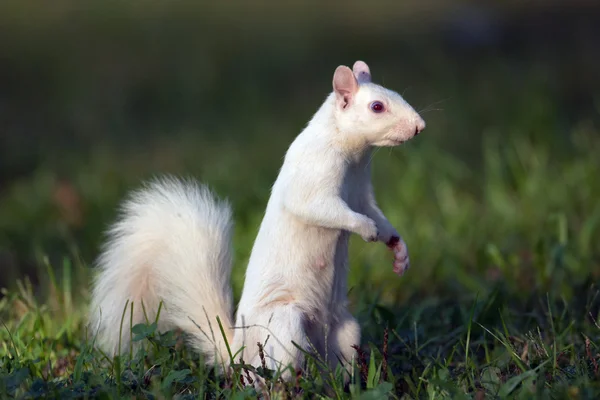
[{"x": 420, "y": 125}]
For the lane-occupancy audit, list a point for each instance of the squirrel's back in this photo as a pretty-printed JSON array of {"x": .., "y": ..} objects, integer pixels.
[{"x": 172, "y": 243}]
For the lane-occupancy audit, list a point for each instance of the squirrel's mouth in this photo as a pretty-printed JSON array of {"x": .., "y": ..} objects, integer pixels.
[
  {"x": 389, "y": 142},
  {"x": 396, "y": 142}
]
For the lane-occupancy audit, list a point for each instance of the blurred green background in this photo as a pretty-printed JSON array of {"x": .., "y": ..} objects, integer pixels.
[{"x": 502, "y": 187}]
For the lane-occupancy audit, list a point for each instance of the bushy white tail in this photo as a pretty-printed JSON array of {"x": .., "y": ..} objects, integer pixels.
[{"x": 172, "y": 243}]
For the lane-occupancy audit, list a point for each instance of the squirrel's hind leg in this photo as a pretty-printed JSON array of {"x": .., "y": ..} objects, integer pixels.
[
  {"x": 280, "y": 326},
  {"x": 344, "y": 334}
]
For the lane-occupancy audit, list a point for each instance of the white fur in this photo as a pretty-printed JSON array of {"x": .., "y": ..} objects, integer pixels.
[
  {"x": 172, "y": 243},
  {"x": 173, "y": 240}
]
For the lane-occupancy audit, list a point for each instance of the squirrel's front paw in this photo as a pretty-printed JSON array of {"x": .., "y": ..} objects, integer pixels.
[
  {"x": 368, "y": 230},
  {"x": 401, "y": 260}
]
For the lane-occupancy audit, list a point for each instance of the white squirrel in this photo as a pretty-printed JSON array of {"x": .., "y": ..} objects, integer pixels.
[{"x": 173, "y": 243}]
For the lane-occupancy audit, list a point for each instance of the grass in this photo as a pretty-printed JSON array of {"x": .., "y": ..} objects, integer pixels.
[
  {"x": 497, "y": 200},
  {"x": 502, "y": 298}
]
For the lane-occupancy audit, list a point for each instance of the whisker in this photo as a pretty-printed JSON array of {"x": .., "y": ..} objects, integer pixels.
[
  {"x": 433, "y": 104},
  {"x": 371, "y": 158},
  {"x": 431, "y": 109}
]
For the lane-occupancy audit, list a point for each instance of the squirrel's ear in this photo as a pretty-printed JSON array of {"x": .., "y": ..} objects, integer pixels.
[
  {"x": 344, "y": 85},
  {"x": 362, "y": 72}
]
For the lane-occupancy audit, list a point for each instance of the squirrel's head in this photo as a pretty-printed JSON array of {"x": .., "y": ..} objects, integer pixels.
[{"x": 364, "y": 109}]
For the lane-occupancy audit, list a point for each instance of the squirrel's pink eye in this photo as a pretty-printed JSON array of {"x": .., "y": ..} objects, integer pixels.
[{"x": 377, "y": 106}]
